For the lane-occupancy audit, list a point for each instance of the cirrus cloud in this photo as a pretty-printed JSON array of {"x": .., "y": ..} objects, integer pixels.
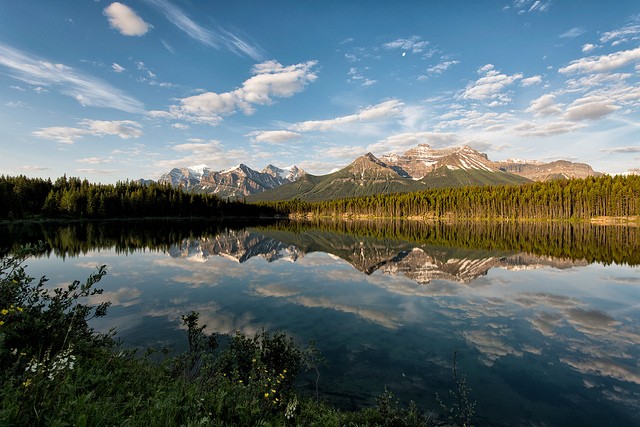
[
  {"x": 124, "y": 129},
  {"x": 379, "y": 111},
  {"x": 87, "y": 90},
  {"x": 273, "y": 136}
]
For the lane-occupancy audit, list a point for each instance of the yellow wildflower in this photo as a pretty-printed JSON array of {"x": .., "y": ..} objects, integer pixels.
[
  {"x": 4, "y": 311},
  {"x": 1, "y": 322},
  {"x": 266, "y": 395}
]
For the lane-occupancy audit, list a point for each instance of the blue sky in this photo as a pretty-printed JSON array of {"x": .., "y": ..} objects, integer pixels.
[{"x": 122, "y": 90}]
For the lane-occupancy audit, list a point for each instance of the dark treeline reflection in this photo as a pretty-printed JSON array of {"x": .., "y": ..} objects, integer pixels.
[
  {"x": 575, "y": 241},
  {"x": 77, "y": 238}
]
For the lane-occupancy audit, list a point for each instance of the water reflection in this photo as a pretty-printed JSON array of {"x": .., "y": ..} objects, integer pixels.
[{"x": 545, "y": 335}]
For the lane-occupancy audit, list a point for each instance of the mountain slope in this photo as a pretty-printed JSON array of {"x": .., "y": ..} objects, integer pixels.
[
  {"x": 538, "y": 171},
  {"x": 368, "y": 175},
  {"x": 419, "y": 168}
]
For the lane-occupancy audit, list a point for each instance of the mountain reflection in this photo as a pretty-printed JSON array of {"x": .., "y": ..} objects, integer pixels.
[{"x": 422, "y": 264}]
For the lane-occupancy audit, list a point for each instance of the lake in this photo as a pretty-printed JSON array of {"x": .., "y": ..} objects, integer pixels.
[{"x": 543, "y": 318}]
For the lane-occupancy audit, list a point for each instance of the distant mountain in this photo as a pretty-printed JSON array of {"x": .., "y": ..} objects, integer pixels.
[
  {"x": 422, "y": 160},
  {"x": 538, "y": 171},
  {"x": 238, "y": 181},
  {"x": 418, "y": 169}
]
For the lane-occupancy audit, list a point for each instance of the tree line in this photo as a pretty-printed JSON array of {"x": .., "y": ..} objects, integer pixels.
[
  {"x": 561, "y": 199},
  {"x": 22, "y": 197}
]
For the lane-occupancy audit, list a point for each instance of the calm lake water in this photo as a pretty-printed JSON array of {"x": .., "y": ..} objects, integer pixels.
[{"x": 544, "y": 319}]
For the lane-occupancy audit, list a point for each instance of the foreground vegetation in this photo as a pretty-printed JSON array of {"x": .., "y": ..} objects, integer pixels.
[{"x": 56, "y": 370}]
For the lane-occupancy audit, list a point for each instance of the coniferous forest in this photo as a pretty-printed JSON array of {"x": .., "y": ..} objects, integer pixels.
[
  {"x": 578, "y": 199},
  {"x": 22, "y": 197}
]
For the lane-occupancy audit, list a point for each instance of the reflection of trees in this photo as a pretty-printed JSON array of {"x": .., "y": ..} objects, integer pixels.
[
  {"x": 575, "y": 241},
  {"x": 76, "y": 238},
  {"x": 368, "y": 245}
]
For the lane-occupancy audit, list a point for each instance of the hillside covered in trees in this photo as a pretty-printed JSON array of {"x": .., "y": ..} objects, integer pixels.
[
  {"x": 22, "y": 197},
  {"x": 561, "y": 200}
]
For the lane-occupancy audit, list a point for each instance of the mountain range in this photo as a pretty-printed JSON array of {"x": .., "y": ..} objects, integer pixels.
[{"x": 419, "y": 168}]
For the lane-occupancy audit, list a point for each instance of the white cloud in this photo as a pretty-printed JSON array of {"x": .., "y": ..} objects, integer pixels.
[
  {"x": 216, "y": 39},
  {"x": 117, "y": 68},
  {"x": 400, "y": 143},
  {"x": 573, "y": 33},
  {"x": 209, "y": 152},
  {"x": 95, "y": 160},
  {"x": 604, "y": 63},
  {"x": 65, "y": 135},
  {"x": 530, "y": 6},
  {"x": 413, "y": 44},
  {"x": 441, "y": 67},
  {"x": 491, "y": 87},
  {"x": 200, "y": 147},
  {"x": 544, "y": 106},
  {"x": 356, "y": 76},
  {"x": 270, "y": 80},
  {"x": 124, "y": 129},
  {"x": 374, "y": 112},
  {"x": 588, "y": 47},
  {"x": 635, "y": 149},
  {"x": 124, "y": 19},
  {"x": 180, "y": 126},
  {"x": 273, "y": 136},
  {"x": 473, "y": 119},
  {"x": 87, "y": 90},
  {"x": 34, "y": 168},
  {"x": 531, "y": 129},
  {"x": 590, "y": 108},
  {"x": 628, "y": 33},
  {"x": 530, "y": 81}
]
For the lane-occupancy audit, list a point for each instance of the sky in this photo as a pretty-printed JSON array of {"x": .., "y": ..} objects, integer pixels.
[{"x": 114, "y": 91}]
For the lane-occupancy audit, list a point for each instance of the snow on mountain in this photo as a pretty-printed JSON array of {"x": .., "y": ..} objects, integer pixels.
[
  {"x": 420, "y": 160},
  {"x": 237, "y": 181},
  {"x": 415, "y": 164}
]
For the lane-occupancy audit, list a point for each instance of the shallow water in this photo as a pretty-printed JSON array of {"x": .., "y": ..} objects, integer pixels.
[{"x": 541, "y": 340}]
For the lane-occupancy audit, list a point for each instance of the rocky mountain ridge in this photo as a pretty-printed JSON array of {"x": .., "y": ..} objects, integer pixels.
[
  {"x": 418, "y": 168},
  {"x": 235, "y": 182}
]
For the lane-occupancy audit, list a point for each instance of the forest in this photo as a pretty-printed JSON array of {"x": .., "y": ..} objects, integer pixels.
[
  {"x": 22, "y": 197},
  {"x": 577, "y": 199}
]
